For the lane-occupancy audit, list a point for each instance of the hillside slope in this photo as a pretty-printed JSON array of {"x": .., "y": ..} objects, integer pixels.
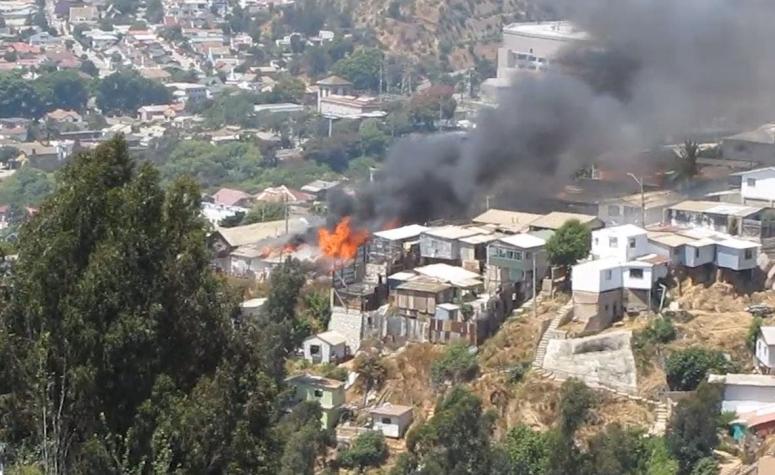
[{"x": 452, "y": 29}]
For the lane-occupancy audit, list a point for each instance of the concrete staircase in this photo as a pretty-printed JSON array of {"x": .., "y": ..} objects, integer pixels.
[{"x": 551, "y": 333}]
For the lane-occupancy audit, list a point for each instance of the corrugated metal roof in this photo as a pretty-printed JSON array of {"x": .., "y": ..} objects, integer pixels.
[{"x": 556, "y": 219}]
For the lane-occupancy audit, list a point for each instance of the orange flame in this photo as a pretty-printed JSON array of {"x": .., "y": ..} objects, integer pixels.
[{"x": 343, "y": 242}]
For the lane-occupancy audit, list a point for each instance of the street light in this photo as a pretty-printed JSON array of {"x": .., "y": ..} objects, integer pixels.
[{"x": 642, "y": 199}]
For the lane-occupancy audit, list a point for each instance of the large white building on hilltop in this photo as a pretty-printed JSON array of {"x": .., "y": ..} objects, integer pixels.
[{"x": 529, "y": 48}]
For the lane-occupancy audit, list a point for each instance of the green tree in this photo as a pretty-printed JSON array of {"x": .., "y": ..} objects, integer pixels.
[
  {"x": 212, "y": 165},
  {"x": 154, "y": 11},
  {"x": 431, "y": 105},
  {"x": 456, "y": 439},
  {"x": 693, "y": 430},
  {"x": 124, "y": 92},
  {"x": 753, "y": 333},
  {"x": 19, "y": 98},
  {"x": 569, "y": 244},
  {"x": 371, "y": 371},
  {"x": 576, "y": 399},
  {"x": 284, "y": 331},
  {"x": 88, "y": 67},
  {"x": 373, "y": 139},
  {"x": 706, "y": 466},
  {"x": 63, "y": 90},
  {"x": 367, "y": 450},
  {"x": 305, "y": 439},
  {"x": 28, "y": 186},
  {"x": 120, "y": 334},
  {"x": 686, "y": 369},
  {"x": 457, "y": 364},
  {"x": 526, "y": 450},
  {"x": 361, "y": 68}
]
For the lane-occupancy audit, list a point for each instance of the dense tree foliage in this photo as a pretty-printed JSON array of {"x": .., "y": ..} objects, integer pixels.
[
  {"x": 686, "y": 369},
  {"x": 123, "y": 354},
  {"x": 124, "y": 92},
  {"x": 693, "y": 431},
  {"x": 58, "y": 89},
  {"x": 525, "y": 450},
  {"x": 569, "y": 244},
  {"x": 361, "y": 68},
  {"x": 28, "y": 186},
  {"x": 367, "y": 450},
  {"x": 212, "y": 165}
]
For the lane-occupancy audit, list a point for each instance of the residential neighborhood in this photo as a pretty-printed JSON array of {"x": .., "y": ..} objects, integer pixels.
[{"x": 396, "y": 237}]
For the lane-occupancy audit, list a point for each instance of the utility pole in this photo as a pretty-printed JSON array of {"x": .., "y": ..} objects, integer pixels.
[
  {"x": 642, "y": 199},
  {"x": 535, "y": 304},
  {"x": 285, "y": 212}
]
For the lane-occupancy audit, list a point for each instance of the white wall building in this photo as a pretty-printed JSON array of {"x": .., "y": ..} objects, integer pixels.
[
  {"x": 529, "y": 48},
  {"x": 391, "y": 419},
  {"x": 187, "y": 91},
  {"x": 624, "y": 242},
  {"x": 765, "y": 349},
  {"x": 326, "y": 347},
  {"x": 758, "y": 187},
  {"x": 745, "y": 393}
]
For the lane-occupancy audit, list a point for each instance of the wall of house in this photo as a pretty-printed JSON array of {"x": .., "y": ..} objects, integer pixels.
[
  {"x": 597, "y": 310},
  {"x": 764, "y": 353},
  {"x": 607, "y": 243},
  {"x": 324, "y": 352},
  {"x": 676, "y": 255},
  {"x": 396, "y": 426},
  {"x": 698, "y": 256},
  {"x": 761, "y": 188},
  {"x": 348, "y": 324},
  {"x": 636, "y": 300},
  {"x": 748, "y": 151},
  {"x": 435, "y": 248},
  {"x": 618, "y": 213},
  {"x": 591, "y": 278},
  {"x": 736, "y": 396},
  {"x": 644, "y": 282},
  {"x": 516, "y": 262},
  {"x": 735, "y": 259}
]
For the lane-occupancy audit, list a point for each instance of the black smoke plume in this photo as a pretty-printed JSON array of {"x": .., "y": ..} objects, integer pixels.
[{"x": 651, "y": 69}]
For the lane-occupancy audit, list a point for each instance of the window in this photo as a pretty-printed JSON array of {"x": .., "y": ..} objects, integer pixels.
[
  {"x": 318, "y": 393},
  {"x": 596, "y": 241},
  {"x": 608, "y": 274},
  {"x": 314, "y": 349},
  {"x": 751, "y": 182},
  {"x": 636, "y": 273},
  {"x": 697, "y": 252},
  {"x": 749, "y": 253},
  {"x": 613, "y": 241},
  {"x": 613, "y": 210},
  {"x": 631, "y": 242},
  {"x": 517, "y": 255},
  {"x": 676, "y": 251},
  {"x": 387, "y": 420},
  {"x": 528, "y": 256}
]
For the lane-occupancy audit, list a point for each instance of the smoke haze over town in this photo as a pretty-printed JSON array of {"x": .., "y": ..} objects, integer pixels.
[{"x": 651, "y": 72}]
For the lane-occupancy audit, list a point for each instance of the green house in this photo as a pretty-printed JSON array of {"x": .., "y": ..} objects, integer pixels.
[{"x": 328, "y": 392}]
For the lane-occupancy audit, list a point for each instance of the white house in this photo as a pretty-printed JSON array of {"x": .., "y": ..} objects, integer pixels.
[
  {"x": 597, "y": 292},
  {"x": 737, "y": 254},
  {"x": 758, "y": 187},
  {"x": 326, "y": 347},
  {"x": 391, "y": 419},
  {"x": 765, "y": 349},
  {"x": 745, "y": 393},
  {"x": 625, "y": 242}
]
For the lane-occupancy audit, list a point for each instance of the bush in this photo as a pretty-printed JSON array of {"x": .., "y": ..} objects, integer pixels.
[
  {"x": 335, "y": 372},
  {"x": 686, "y": 369},
  {"x": 367, "y": 450},
  {"x": 661, "y": 330},
  {"x": 518, "y": 372},
  {"x": 457, "y": 364},
  {"x": 693, "y": 431},
  {"x": 753, "y": 334},
  {"x": 706, "y": 466}
]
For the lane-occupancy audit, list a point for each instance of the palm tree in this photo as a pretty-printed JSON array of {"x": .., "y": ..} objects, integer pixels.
[
  {"x": 371, "y": 371},
  {"x": 687, "y": 166}
]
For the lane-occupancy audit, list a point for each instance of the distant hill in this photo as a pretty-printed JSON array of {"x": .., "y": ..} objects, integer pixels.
[{"x": 457, "y": 29}]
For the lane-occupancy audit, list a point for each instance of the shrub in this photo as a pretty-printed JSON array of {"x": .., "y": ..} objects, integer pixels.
[
  {"x": 457, "y": 364},
  {"x": 335, "y": 372},
  {"x": 753, "y": 333},
  {"x": 661, "y": 330},
  {"x": 367, "y": 450},
  {"x": 686, "y": 369}
]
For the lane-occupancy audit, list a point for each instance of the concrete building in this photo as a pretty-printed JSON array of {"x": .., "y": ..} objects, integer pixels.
[
  {"x": 765, "y": 349},
  {"x": 187, "y": 91},
  {"x": 529, "y": 48},
  {"x": 329, "y": 393},
  {"x": 333, "y": 85},
  {"x": 326, "y": 347},
  {"x": 350, "y": 107},
  {"x": 391, "y": 419}
]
